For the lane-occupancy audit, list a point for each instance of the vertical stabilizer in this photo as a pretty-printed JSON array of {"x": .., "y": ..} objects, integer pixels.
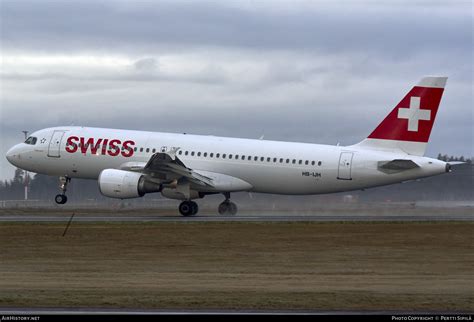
[{"x": 408, "y": 126}]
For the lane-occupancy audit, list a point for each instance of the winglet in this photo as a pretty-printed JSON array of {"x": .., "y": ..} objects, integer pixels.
[{"x": 172, "y": 152}]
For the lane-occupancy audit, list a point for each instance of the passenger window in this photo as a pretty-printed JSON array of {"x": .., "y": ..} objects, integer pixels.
[
  {"x": 135, "y": 149},
  {"x": 300, "y": 162},
  {"x": 268, "y": 159},
  {"x": 180, "y": 152},
  {"x": 199, "y": 154},
  {"x": 147, "y": 150},
  {"x": 306, "y": 162},
  {"x": 312, "y": 162},
  {"x": 243, "y": 157},
  {"x": 249, "y": 158},
  {"x": 230, "y": 156},
  {"x": 223, "y": 156},
  {"x": 319, "y": 163},
  {"x": 294, "y": 161},
  {"x": 217, "y": 155},
  {"x": 236, "y": 156},
  {"x": 186, "y": 153},
  {"x": 262, "y": 158},
  {"x": 287, "y": 160},
  {"x": 255, "y": 158},
  {"x": 141, "y": 149},
  {"x": 281, "y": 160},
  {"x": 274, "y": 160},
  {"x": 154, "y": 150},
  {"x": 192, "y": 153},
  {"x": 211, "y": 155},
  {"x": 205, "y": 154}
]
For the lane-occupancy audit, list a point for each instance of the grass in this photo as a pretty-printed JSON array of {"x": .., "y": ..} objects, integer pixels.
[{"x": 232, "y": 265}]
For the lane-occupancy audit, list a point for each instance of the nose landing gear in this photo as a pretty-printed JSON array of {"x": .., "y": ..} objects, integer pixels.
[{"x": 61, "y": 199}]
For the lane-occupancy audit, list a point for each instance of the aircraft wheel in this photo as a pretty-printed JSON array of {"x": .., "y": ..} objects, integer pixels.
[
  {"x": 60, "y": 199},
  {"x": 222, "y": 208},
  {"x": 188, "y": 208},
  {"x": 227, "y": 208},
  {"x": 195, "y": 208},
  {"x": 232, "y": 208}
]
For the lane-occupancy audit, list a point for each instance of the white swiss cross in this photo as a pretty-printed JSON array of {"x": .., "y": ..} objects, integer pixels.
[{"x": 414, "y": 114}]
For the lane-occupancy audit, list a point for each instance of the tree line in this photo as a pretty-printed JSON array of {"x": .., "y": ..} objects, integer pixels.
[
  {"x": 446, "y": 158},
  {"x": 44, "y": 187}
]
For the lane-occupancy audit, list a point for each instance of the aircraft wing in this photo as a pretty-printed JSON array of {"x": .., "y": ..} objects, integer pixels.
[{"x": 167, "y": 166}]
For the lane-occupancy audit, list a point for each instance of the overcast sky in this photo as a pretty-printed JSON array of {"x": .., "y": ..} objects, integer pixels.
[{"x": 310, "y": 71}]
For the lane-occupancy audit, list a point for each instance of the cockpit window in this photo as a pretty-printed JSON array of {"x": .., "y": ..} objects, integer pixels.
[{"x": 31, "y": 140}]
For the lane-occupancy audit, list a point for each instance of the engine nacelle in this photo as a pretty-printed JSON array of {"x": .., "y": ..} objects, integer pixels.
[{"x": 122, "y": 184}]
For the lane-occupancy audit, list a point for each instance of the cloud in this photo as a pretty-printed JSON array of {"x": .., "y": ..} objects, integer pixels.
[
  {"x": 162, "y": 26},
  {"x": 146, "y": 65}
]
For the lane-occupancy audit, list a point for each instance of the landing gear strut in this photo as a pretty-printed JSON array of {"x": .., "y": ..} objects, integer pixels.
[
  {"x": 227, "y": 207},
  {"x": 61, "y": 199},
  {"x": 188, "y": 208}
]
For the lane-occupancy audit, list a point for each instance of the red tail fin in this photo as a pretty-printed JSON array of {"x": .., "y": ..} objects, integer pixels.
[{"x": 409, "y": 124}]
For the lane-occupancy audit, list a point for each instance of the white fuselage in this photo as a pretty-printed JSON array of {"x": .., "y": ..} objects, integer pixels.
[{"x": 286, "y": 167}]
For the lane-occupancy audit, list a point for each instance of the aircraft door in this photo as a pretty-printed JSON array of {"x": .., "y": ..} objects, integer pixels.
[
  {"x": 345, "y": 166},
  {"x": 55, "y": 144}
]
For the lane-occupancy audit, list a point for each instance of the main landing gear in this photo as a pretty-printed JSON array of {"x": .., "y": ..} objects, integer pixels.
[
  {"x": 188, "y": 208},
  {"x": 227, "y": 207},
  {"x": 61, "y": 199}
]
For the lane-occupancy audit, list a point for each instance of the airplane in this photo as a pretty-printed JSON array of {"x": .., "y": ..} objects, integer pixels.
[{"x": 130, "y": 164}]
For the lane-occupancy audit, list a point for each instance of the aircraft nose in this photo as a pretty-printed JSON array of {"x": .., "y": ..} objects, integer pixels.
[{"x": 11, "y": 155}]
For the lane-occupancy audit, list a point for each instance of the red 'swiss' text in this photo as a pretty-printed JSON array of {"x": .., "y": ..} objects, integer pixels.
[{"x": 112, "y": 147}]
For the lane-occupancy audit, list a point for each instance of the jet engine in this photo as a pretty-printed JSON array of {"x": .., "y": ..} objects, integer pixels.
[{"x": 122, "y": 184}]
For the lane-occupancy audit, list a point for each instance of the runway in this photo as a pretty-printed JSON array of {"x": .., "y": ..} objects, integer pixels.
[{"x": 239, "y": 218}]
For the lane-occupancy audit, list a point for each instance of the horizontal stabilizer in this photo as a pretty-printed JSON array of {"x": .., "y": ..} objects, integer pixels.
[{"x": 396, "y": 165}]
